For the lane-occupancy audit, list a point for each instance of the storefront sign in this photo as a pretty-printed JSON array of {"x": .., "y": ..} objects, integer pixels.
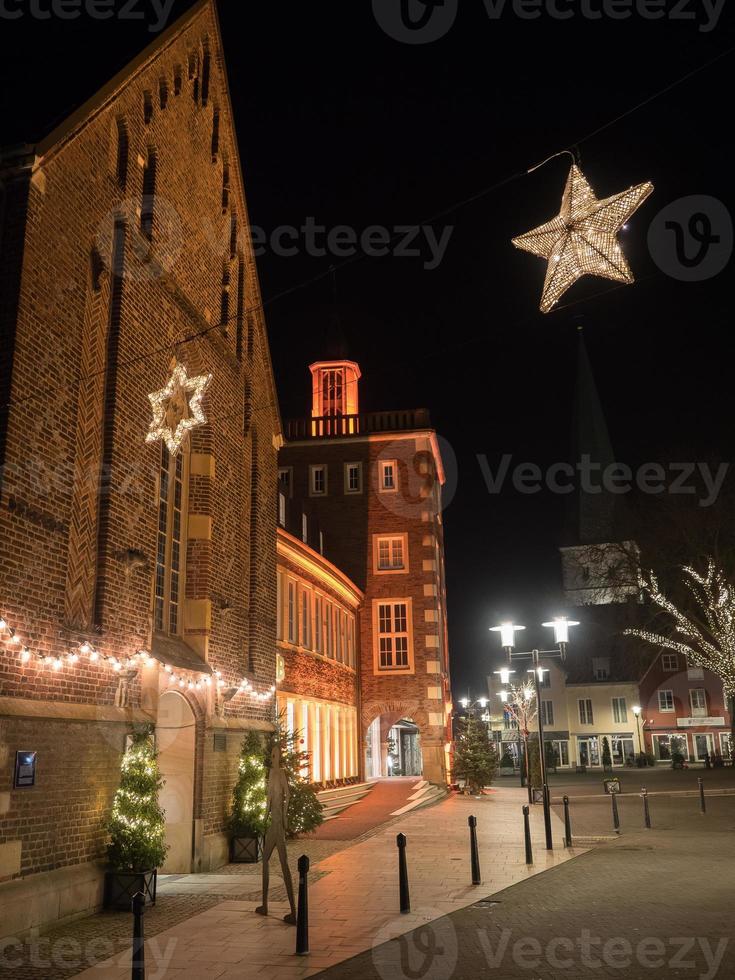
[
  {"x": 694, "y": 722},
  {"x": 25, "y": 770}
]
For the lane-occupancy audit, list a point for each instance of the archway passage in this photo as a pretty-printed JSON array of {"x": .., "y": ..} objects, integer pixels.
[
  {"x": 176, "y": 743},
  {"x": 393, "y": 747}
]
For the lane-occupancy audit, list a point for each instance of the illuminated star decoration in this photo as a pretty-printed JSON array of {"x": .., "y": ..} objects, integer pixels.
[
  {"x": 582, "y": 240},
  {"x": 177, "y": 408}
]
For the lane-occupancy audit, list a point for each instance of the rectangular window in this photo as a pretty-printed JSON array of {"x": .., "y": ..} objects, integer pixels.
[
  {"x": 392, "y": 622},
  {"x": 330, "y": 632},
  {"x": 669, "y": 661},
  {"x": 391, "y": 553},
  {"x": 619, "y": 710},
  {"x": 665, "y": 700},
  {"x": 337, "y": 635},
  {"x": 666, "y": 744},
  {"x": 321, "y": 542},
  {"x": 698, "y": 701},
  {"x": 601, "y": 668},
  {"x": 351, "y": 641},
  {"x": 285, "y": 480},
  {"x": 170, "y": 542},
  {"x": 547, "y": 712},
  {"x": 545, "y": 680},
  {"x": 318, "y": 481},
  {"x": 279, "y": 606},
  {"x": 291, "y": 611},
  {"x": 306, "y": 618},
  {"x": 585, "y": 711},
  {"x": 353, "y": 477},
  {"x": 343, "y": 637},
  {"x": 388, "y": 469},
  {"x": 282, "y": 509},
  {"x": 304, "y": 529},
  {"x": 318, "y": 624}
]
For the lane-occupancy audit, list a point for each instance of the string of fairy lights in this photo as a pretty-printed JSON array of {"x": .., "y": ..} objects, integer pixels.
[{"x": 186, "y": 679}]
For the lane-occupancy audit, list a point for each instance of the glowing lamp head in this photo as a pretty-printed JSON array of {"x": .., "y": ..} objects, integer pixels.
[
  {"x": 507, "y": 634},
  {"x": 504, "y": 674},
  {"x": 85, "y": 648},
  {"x": 560, "y": 626},
  {"x": 3, "y": 624},
  {"x": 25, "y": 655},
  {"x": 482, "y": 702},
  {"x": 503, "y": 695},
  {"x": 636, "y": 710},
  {"x": 94, "y": 656},
  {"x": 464, "y": 702}
]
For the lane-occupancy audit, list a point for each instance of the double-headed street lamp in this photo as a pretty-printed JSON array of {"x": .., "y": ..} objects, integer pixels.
[{"x": 507, "y": 631}]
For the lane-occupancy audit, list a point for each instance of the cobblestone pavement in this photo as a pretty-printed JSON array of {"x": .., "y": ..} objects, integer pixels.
[{"x": 653, "y": 904}]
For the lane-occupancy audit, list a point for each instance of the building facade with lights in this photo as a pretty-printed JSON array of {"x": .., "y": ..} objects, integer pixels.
[
  {"x": 318, "y": 657},
  {"x": 138, "y": 458},
  {"x": 371, "y": 483}
]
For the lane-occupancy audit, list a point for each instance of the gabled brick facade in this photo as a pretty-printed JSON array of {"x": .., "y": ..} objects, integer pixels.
[{"x": 125, "y": 250}]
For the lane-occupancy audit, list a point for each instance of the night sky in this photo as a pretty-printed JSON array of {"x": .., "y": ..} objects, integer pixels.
[{"x": 339, "y": 122}]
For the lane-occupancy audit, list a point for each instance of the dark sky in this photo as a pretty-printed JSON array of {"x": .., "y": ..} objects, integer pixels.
[{"x": 340, "y": 122}]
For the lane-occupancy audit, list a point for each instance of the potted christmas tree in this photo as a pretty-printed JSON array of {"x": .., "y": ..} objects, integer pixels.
[
  {"x": 475, "y": 759},
  {"x": 304, "y": 809},
  {"x": 137, "y": 829},
  {"x": 247, "y": 821}
]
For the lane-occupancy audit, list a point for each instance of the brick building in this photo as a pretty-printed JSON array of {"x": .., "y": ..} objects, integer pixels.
[
  {"x": 371, "y": 484},
  {"x": 137, "y": 576}
]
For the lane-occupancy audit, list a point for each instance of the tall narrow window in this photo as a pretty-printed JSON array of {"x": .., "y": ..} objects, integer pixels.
[
  {"x": 163, "y": 93},
  {"x": 206, "y": 71},
  {"x": 318, "y": 626},
  {"x": 240, "y": 322},
  {"x": 147, "y": 108},
  {"x": 178, "y": 79},
  {"x": 291, "y": 611},
  {"x": 224, "y": 309},
  {"x": 149, "y": 195},
  {"x": 170, "y": 546},
  {"x": 121, "y": 152},
  {"x": 233, "y": 235},
  {"x": 225, "y": 187},
  {"x": 215, "y": 135}
]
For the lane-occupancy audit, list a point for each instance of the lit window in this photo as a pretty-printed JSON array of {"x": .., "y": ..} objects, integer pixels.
[
  {"x": 306, "y": 618},
  {"x": 318, "y": 624},
  {"x": 393, "y": 635},
  {"x": 353, "y": 477},
  {"x": 585, "y": 711},
  {"x": 388, "y": 474},
  {"x": 318, "y": 481},
  {"x": 291, "y": 612},
  {"x": 390, "y": 553},
  {"x": 698, "y": 701},
  {"x": 665, "y": 700},
  {"x": 547, "y": 712},
  {"x": 170, "y": 546},
  {"x": 669, "y": 661},
  {"x": 620, "y": 710}
]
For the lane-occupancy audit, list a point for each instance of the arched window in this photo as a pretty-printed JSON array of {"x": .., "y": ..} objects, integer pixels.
[
  {"x": 170, "y": 577},
  {"x": 147, "y": 203}
]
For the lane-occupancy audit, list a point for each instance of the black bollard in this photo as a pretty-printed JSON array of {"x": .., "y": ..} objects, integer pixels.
[
  {"x": 646, "y": 811},
  {"x": 302, "y": 915},
  {"x": 527, "y": 834},
  {"x": 547, "y": 818},
  {"x": 615, "y": 814},
  {"x": 567, "y": 824},
  {"x": 474, "y": 851},
  {"x": 138, "y": 906},
  {"x": 403, "y": 874},
  {"x": 702, "y": 804}
]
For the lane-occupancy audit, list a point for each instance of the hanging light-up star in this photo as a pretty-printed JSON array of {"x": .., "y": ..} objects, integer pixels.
[
  {"x": 582, "y": 240},
  {"x": 177, "y": 408}
]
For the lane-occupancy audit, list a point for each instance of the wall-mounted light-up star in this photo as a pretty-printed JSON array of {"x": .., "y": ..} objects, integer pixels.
[
  {"x": 582, "y": 240},
  {"x": 177, "y": 408}
]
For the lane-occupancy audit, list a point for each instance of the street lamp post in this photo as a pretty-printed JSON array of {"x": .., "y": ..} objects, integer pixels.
[
  {"x": 507, "y": 631},
  {"x": 637, "y": 713}
]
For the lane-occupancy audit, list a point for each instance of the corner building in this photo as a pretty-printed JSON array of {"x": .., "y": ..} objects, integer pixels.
[
  {"x": 137, "y": 577},
  {"x": 371, "y": 483}
]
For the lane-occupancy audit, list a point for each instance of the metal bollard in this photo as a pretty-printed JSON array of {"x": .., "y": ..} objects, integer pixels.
[
  {"x": 527, "y": 834},
  {"x": 302, "y": 914},
  {"x": 646, "y": 811},
  {"x": 138, "y": 906},
  {"x": 547, "y": 818},
  {"x": 474, "y": 851},
  {"x": 702, "y": 804},
  {"x": 403, "y": 874},
  {"x": 615, "y": 814},
  {"x": 567, "y": 824}
]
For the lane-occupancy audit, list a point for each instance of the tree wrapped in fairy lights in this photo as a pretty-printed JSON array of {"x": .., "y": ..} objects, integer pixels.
[
  {"x": 522, "y": 707},
  {"x": 249, "y": 817},
  {"x": 137, "y": 823},
  {"x": 705, "y": 634}
]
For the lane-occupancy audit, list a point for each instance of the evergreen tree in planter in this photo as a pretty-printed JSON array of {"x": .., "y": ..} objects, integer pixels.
[
  {"x": 606, "y": 756},
  {"x": 475, "y": 760},
  {"x": 247, "y": 821},
  {"x": 137, "y": 830},
  {"x": 304, "y": 809}
]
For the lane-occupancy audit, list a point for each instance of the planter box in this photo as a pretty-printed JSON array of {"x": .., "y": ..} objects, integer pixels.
[
  {"x": 245, "y": 850},
  {"x": 537, "y": 794},
  {"x": 507, "y": 771},
  {"x": 611, "y": 785},
  {"x": 121, "y": 886}
]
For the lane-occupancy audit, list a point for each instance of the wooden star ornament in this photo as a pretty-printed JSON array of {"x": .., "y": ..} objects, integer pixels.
[
  {"x": 177, "y": 408},
  {"x": 582, "y": 240}
]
